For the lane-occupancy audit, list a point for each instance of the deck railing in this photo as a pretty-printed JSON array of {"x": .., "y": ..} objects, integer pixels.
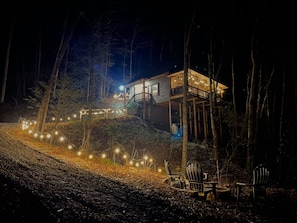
[{"x": 193, "y": 91}]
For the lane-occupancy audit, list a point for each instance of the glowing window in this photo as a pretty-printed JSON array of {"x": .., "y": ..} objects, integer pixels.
[{"x": 155, "y": 89}]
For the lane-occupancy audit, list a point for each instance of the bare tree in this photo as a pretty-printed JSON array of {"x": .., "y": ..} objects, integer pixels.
[
  {"x": 66, "y": 99},
  {"x": 124, "y": 51},
  {"x": 252, "y": 104},
  {"x": 99, "y": 62},
  {"x": 213, "y": 73},
  {"x": 38, "y": 58},
  {"x": 43, "y": 109},
  {"x": 187, "y": 36},
  {"x": 137, "y": 29},
  {"x": 3, "y": 91},
  {"x": 88, "y": 124},
  {"x": 212, "y": 91}
]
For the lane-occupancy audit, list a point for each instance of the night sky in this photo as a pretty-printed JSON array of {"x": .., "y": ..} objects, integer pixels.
[{"x": 160, "y": 42}]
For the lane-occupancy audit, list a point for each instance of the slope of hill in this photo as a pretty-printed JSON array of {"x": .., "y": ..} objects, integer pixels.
[
  {"x": 65, "y": 187},
  {"x": 136, "y": 139}
]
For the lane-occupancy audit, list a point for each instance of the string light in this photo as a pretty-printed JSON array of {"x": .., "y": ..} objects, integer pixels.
[{"x": 144, "y": 162}]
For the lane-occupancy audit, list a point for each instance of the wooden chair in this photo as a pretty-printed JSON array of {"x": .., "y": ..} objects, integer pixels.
[
  {"x": 196, "y": 179},
  {"x": 258, "y": 186},
  {"x": 175, "y": 179}
]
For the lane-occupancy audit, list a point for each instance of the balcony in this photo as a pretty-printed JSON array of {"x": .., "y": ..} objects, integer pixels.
[{"x": 192, "y": 91}]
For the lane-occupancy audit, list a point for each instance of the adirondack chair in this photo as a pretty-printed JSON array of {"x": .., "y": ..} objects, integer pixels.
[
  {"x": 175, "y": 179},
  {"x": 258, "y": 186},
  {"x": 197, "y": 179}
]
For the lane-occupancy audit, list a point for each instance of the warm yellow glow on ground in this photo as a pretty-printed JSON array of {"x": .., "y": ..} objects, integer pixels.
[{"x": 128, "y": 174}]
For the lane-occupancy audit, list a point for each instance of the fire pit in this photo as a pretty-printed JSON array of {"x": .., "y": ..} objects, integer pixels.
[{"x": 223, "y": 193}]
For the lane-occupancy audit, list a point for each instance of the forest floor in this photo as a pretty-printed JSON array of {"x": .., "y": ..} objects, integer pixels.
[{"x": 40, "y": 182}]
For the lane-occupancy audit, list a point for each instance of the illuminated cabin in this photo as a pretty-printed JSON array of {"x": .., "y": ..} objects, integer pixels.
[{"x": 159, "y": 101}]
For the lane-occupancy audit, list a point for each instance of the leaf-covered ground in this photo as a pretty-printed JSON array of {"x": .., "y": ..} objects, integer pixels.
[{"x": 47, "y": 183}]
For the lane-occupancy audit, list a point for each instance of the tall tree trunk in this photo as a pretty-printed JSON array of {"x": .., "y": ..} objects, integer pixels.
[
  {"x": 282, "y": 107},
  {"x": 88, "y": 124},
  {"x": 257, "y": 108},
  {"x": 4, "y": 81},
  {"x": 212, "y": 92},
  {"x": 124, "y": 68},
  {"x": 252, "y": 102},
  {"x": 265, "y": 99},
  {"x": 131, "y": 58},
  {"x": 43, "y": 109},
  {"x": 137, "y": 30},
  {"x": 38, "y": 59},
  {"x": 295, "y": 81},
  {"x": 187, "y": 35},
  {"x": 233, "y": 87},
  {"x": 235, "y": 133}
]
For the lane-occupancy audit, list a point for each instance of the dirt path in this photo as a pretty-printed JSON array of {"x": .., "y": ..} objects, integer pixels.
[
  {"x": 71, "y": 194},
  {"x": 36, "y": 187}
]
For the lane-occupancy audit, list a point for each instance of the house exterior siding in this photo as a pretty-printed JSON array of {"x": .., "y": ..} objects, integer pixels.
[{"x": 160, "y": 100}]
